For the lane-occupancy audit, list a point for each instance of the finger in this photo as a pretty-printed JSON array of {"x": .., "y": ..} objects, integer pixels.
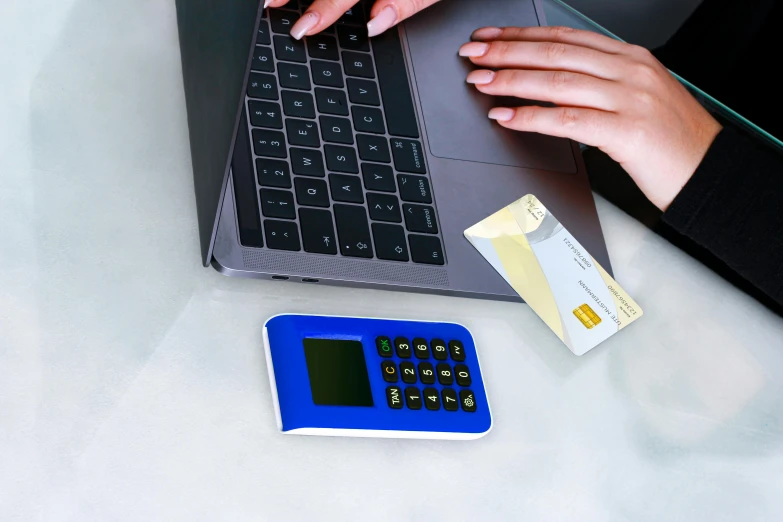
[
  {"x": 387, "y": 13},
  {"x": 320, "y": 15},
  {"x": 559, "y": 87},
  {"x": 275, "y": 3},
  {"x": 543, "y": 55},
  {"x": 588, "y": 126},
  {"x": 565, "y": 35}
]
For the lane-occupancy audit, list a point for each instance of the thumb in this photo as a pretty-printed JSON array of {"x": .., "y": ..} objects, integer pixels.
[{"x": 388, "y": 13}]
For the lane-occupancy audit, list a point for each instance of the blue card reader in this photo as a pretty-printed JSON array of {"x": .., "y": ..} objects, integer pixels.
[{"x": 362, "y": 377}]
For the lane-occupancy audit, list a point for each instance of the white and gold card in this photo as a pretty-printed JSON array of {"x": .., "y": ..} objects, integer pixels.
[{"x": 554, "y": 274}]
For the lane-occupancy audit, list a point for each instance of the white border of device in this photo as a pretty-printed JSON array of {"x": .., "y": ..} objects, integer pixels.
[{"x": 331, "y": 432}]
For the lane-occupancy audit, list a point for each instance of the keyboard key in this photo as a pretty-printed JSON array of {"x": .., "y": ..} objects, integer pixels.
[
  {"x": 263, "y": 33},
  {"x": 445, "y": 375},
  {"x": 364, "y": 92},
  {"x": 403, "y": 348},
  {"x": 282, "y": 235},
  {"x": 322, "y": 47},
  {"x": 408, "y": 155},
  {"x": 354, "y": 15},
  {"x": 394, "y": 397},
  {"x": 426, "y": 373},
  {"x": 373, "y": 148},
  {"x": 462, "y": 374},
  {"x": 450, "y": 401},
  {"x": 317, "y": 231},
  {"x": 269, "y": 143},
  {"x": 262, "y": 86},
  {"x": 331, "y": 101},
  {"x": 336, "y": 130},
  {"x": 327, "y": 74},
  {"x": 377, "y": 177},
  {"x": 431, "y": 399},
  {"x": 282, "y": 21},
  {"x": 341, "y": 159},
  {"x": 457, "y": 351},
  {"x": 265, "y": 114},
  {"x": 421, "y": 349},
  {"x": 367, "y": 119},
  {"x": 383, "y": 344},
  {"x": 302, "y": 132},
  {"x": 353, "y": 38},
  {"x": 353, "y": 231},
  {"x": 294, "y": 76},
  {"x": 414, "y": 188},
  {"x": 277, "y": 204},
  {"x": 393, "y": 81},
  {"x": 413, "y": 397},
  {"x": 390, "y": 242},
  {"x": 345, "y": 188},
  {"x": 420, "y": 218},
  {"x": 426, "y": 250},
  {"x": 384, "y": 207},
  {"x": 307, "y": 162},
  {"x": 389, "y": 371},
  {"x": 298, "y": 104},
  {"x": 273, "y": 173},
  {"x": 262, "y": 60},
  {"x": 408, "y": 372},
  {"x": 468, "y": 400},
  {"x": 358, "y": 64},
  {"x": 311, "y": 192},
  {"x": 286, "y": 48},
  {"x": 439, "y": 350}
]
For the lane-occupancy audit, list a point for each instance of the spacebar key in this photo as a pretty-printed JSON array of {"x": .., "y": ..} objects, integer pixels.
[{"x": 393, "y": 81}]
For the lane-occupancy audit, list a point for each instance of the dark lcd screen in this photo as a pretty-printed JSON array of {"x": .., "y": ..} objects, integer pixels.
[{"x": 338, "y": 372}]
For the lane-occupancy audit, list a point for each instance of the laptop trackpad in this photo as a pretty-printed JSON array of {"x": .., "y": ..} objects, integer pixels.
[{"x": 455, "y": 113}]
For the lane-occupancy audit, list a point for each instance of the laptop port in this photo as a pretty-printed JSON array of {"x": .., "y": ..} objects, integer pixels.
[
  {"x": 280, "y": 278},
  {"x": 309, "y": 280}
]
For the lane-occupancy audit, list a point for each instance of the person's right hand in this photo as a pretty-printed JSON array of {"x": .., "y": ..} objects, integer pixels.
[{"x": 323, "y": 13}]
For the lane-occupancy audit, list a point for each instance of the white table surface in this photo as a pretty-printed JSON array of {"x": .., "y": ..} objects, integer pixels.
[{"x": 133, "y": 384}]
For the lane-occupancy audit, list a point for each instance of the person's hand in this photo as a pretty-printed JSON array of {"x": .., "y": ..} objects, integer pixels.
[
  {"x": 323, "y": 13},
  {"x": 608, "y": 94}
]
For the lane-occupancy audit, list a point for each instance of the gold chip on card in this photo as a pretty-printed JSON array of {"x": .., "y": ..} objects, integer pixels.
[{"x": 588, "y": 317}]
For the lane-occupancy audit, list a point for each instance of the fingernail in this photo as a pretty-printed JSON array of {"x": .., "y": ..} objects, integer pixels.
[
  {"x": 480, "y": 77},
  {"x": 266, "y": 3},
  {"x": 501, "y": 114},
  {"x": 385, "y": 19},
  {"x": 473, "y": 49},
  {"x": 304, "y": 24},
  {"x": 487, "y": 33}
]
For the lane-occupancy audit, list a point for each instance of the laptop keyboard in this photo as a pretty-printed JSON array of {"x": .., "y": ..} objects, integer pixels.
[{"x": 339, "y": 166}]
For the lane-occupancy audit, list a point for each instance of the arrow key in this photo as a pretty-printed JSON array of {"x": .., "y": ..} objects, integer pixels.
[
  {"x": 390, "y": 242},
  {"x": 346, "y": 188}
]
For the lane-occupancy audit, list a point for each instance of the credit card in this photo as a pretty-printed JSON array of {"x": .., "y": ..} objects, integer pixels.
[{"x": 554, "y": 274}]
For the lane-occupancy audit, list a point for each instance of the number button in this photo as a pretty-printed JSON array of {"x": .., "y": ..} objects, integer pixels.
[
  {"x": 439, "y": 349},
  {"x": 468, "y": 400},
  {"x": 426, "y": 373},
  {"x": 383, "y": 344},
  {"x": 408, "y": 372},
  {"x": 413, "y": 398},
  {"x": 450, "y": 401},
  {"x": 445, "y": 376},
  {"x": 463, "y": 375},
  {"x": 403, "y": 348},
  {"x": 457, "y": 351},
  {"x": 431, "y": 399},
  {"x": 262, "y": 86},
  {"x": 421, "y": 349},
  {"x": 389, "y": 370},
  {"x": 394, "y": 397}
]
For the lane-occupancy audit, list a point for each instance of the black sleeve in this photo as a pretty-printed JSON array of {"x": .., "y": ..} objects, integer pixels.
[{"x": 733, "y": 207}]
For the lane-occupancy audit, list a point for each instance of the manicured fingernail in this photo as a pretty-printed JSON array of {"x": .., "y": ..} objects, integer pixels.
[
  {"x": 473, "y": 49},
  {"x": 266, "y": 3},
  {"x": 487, "y": 33},
  {"x": 480, "y": 77},
  {"x": 385, "y": 19},
  {"x": 304, "y": 24},
  {"x": 501, "y": 114}
]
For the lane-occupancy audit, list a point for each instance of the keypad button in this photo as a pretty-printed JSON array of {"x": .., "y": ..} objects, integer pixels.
[
  {"x": 384, "y": 207},
  {"x": 353, "y": 38},
  {"x": 420, "y": 218},
  {"x": 263, "y": 33},
  {"x": 363, "y": 92},
  {"x": 317, "y": 231},
  {"x": 282, "y": 235},
  {"x": 294, "y": 76},
  {"x": 426, "y": 249},
  {"x": 327, "y": 74},
  {"x": 394, "y": 397},
  {"x": 346, "y": 188},
  {"x": 367, "y": 119},
  {"x": 322, "y": 47},
  {"x": 273, "y": 173},
  {"x": 462, "y": 374},
  {"x": 336, "y": 130},
  {"x": 358, "y": 64},
  {"x": 468, "y": 400},
  {"x": 307, "y": 162},
  {"x": 265, "y": 114},
  {"x": 403, "y": 347},
  {"x": 421, "y": 349},
  {"x": 413, "y": 398},
  {"x": 298, "y": 104},
  {"x": 389, "y": 371},
  {"x": 263, "y": 60},
  {"x": 431, "y": 399},
  {"x": 354, "y": 15},
  {"x": 426, "y": 373},
  {"x": 384, "y": 346},
  {"x": 286, "y": 48},
  {"x": 269, "y": 143},
  {"x": 414, "y": 188},
  {"x": 331, "y": 101},
  {"x": 439, "y": 350},
  {"x": 311, "y": 192},
  {"x": 373, "y": 148},
  {"x": 450, "y": 401},
  {"x": 390, "y": 242},
  {"x": 408, "y": 156},
  {"x": 262, "y": 86},
  {"x": 378, "y": 177},
  {"x": 445, "y": 374},
  {"x": 302, "y": 133},
  {"x": 341, "y": 159},
  {"x": 282, "y": 21},
  {"x": 277, "y": 204},
  {"x": 457, "y": 351},
  {"x": 408, "y": 372},
  {"x": 353, "y": 231}
]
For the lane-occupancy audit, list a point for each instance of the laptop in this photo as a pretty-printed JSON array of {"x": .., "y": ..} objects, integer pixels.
[{"x": 351, "y": 161}]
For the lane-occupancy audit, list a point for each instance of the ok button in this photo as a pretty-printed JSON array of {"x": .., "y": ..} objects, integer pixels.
[{"x": 389, "y": 371}]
